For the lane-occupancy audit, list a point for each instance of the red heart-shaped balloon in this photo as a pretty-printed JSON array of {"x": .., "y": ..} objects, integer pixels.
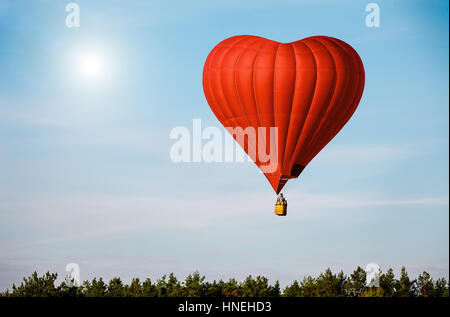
[{"x": 307, "y": 90}]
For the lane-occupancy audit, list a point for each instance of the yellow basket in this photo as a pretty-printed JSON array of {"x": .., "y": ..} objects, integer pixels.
[{"x": 280, "y": 210}]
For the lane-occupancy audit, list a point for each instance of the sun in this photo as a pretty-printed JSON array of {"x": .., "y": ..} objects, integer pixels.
[{"x": 91, "y": 65}]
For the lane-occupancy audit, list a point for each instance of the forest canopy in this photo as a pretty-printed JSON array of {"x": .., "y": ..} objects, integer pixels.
[{"x": 327, "y": 284}]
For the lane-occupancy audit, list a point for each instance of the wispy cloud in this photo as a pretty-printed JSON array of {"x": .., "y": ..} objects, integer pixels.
[
  {"x": 63, "y": 218},
  {"x": 363, "y": 153}
]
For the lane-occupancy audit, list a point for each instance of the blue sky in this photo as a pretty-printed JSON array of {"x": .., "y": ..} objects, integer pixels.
[{"x": 85, "y": 172}]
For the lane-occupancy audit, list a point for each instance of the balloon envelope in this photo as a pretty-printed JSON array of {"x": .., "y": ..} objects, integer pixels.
[{"x": 307, "y": 90}]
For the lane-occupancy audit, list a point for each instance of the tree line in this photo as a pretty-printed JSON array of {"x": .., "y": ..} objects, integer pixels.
[{"x": 327, "y": 284}]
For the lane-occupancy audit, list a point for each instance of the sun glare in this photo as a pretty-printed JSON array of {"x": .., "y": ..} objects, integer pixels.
[{"x": 91, "y": 65}]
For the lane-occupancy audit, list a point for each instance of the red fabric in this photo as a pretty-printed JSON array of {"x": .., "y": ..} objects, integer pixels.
[{"x": 308, "y": 89}]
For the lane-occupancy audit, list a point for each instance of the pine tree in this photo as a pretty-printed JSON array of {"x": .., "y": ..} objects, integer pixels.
[
  {"x": 331, "y": 285},
  {"x": 213, "y": 289},
  {"x": 95, "y": 288},
  {"x": 231, "y": 288},
  {"x": 194, "y": 286},
  {"x": 425, "y": 285},
  {"x": 292, "y": 290},
  {"x": 134, "y": 289},
  {"x": 440, "y": 288},
  {"x": 405, "y": 287},
  {"x": 309, "y": 287},
  {"x": 387, "y": 283},
  {"x": 357, "y": 282},
  {"x": 115, "y": 288},
  {"x": 274, "y": 290},
  {"x": 35, "y": 286},
  {"x": 149, "y": 289},
  {"x": 174, "y": 287}
]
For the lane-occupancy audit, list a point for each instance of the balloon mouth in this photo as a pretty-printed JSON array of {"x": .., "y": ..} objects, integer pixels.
[
  {"x": 296, "y": 170},
  {"x": 278, "y": 181}
]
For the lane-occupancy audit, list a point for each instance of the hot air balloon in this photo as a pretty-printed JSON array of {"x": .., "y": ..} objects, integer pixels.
[{"x": 307, "y": 90}]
